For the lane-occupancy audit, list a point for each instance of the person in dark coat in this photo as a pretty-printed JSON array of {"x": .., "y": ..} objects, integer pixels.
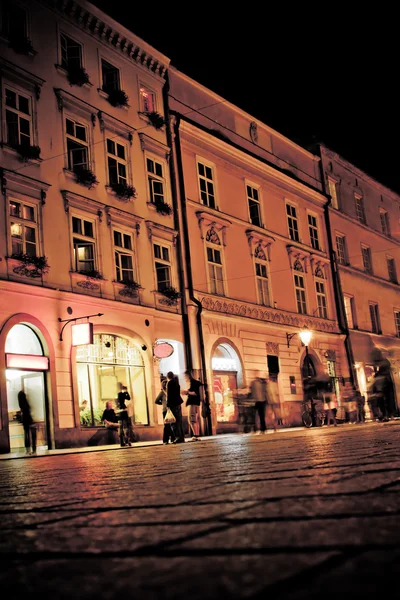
[
  {"x": 174, "y": 402},
  {"x": 161, "y": 399},
  {"x": 193, "y": 403},
  {"x": 28, "y": 423},
  {"x": 125, "y": 427}
]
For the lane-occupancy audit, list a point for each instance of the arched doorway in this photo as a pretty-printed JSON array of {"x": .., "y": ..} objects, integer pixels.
[
  {"x": 227, "y": 376},
  {"x": 26, "y": 366},
  {"x": 101, "y": 367}
]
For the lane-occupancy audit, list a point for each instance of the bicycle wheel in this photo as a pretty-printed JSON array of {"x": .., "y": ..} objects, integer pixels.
[{"x": 306, "y": 418}]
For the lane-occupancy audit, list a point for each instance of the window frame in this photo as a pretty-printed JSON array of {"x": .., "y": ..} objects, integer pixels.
[
  {"x": 207, "y": 164},
  {"x": 265, "y": 280},
  {"x": 60, "y": 50},
  {"x": 32, "y": 203},
  {"x": 19, "y": 91},
  {"x": 122, "y": 251},
  {"x": 83, "y": 123},
  {"x": 292, "y": 205},
  {"x": 5, "y": 31},
  {"x": 324, "y": 306},
  {"x": 85, "y": 240},
  {"x": 385, "y": 222},
  {"x": 366, "y": 252},
  {"x": 300, "y": 288},
  {"x": 153, "y": 177},
  {"x": 335, "y": 196},
  {"x": 390, "y": 259},
  {"x": 103, "y": 88},
  {"x": 345, "y": 260},
  {"x": 212, "y": 282},
  {"x": 169, "y": 246},
  {"x": 376, "y": 322},
  {"x": 126, "y": 162},
  {"x": 360, "y": 209},
  {"x": 396, "y": 314},
  {"x": 148, "y": 88},
  {"x": 315, "y": 227},
  {"x": 352, "y": 310},
  {"x": 258, "y": 202}
]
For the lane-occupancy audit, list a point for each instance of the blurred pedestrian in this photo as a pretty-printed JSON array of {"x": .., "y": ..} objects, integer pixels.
[
  {"x": 360, "y": 401},
  {"x": 174, "y": 402},
  {"x": 125, "y": 428},
  {"x": 193, "y": 403},
  {"x": 109, "y": 417},
  {"x": 379, "y": 390},
  {"x": 329, "y": 403},
  {"x": 161, "y": 399},
  {"x": 28, "y": 423},
  {"x": 258, "y": 392}
]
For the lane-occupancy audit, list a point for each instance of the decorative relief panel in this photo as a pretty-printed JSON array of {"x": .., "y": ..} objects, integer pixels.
[
  {"x": 272, "y": 348},
  {"x": 232, "y": 307}
]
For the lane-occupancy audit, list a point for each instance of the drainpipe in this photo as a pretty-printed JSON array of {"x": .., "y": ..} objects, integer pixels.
[
  {"x": 176, "y": 145},
  {"x": 185, "y": 319},
  {"x": 337, "y": 285}
]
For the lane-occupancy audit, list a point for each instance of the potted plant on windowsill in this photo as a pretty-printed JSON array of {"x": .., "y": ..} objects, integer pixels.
[
  {"x": 31, "y": 266},
  {"x": 22, "y": 45},
  {"x": 85, "y": 177},
  {"x": 28, "y": 152},
  {"x": 123, "y": 190},
  {"x": 155, "y": 119},
  {"x": 117, "y": 98},
  {"x": 94, "y": 274},
  {"x": 163, "y": 208},
  {"x": 77, "y": 76},
  {"x": 130, "y": 289},
  {"x": 171, "y": 295}
]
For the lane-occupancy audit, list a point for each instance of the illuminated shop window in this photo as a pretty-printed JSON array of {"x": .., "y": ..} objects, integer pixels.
[{"x": 101, "y": 366}]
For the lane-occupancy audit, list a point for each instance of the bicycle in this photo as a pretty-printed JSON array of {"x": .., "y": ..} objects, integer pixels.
[{"x": 311, "y": 416}]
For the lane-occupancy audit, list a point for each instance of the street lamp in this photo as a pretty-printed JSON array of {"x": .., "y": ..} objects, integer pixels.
[{"x": 305, "y": 335}]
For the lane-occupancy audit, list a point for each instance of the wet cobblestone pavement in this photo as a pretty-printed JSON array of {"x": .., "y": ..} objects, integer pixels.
[{"x": 302, "y": 514}]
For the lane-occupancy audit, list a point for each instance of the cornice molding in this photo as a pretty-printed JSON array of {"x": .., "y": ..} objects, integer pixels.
[
  {"x": 24, "y": 78},
  {"x": 374, "y": 278},
  {"x": 115, "y": 215},
  {"x": 152, "y": 145},
  {"x": 209, "y": 222},
  {"x": 354, "y": 221},
  {"x": 11, "y": 181},
  {"x": 83, "y": 203},
  {"x": 161, "y": 231},
  {"x": 96, "y": 23},
  {"x": 258, "y": 242},
  {"x": 236, "y": 308}
]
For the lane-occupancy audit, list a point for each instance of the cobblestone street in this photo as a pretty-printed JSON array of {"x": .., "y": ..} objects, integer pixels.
[{"x": 302, "y": 514}]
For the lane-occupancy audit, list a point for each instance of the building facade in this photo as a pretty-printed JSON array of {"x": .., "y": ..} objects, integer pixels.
[
  {"x": 252, "y": 214},
  {"x": 364, "y": 225},
  {"x": 87, "y": 225}
]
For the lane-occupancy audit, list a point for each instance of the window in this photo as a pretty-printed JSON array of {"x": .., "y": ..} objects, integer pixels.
[
  {"x": 349, "y": 310},
  {"x": 206, "y": 184},
  {"x": 110, "y": 77},
  {"x": 367, "y": 261},
  {"x": 341, "y": 249},
  {"x": 163, "y": 266},
  {"x": 300, "y": 290},
  {"x": 360, "y": 212},
  {"x": 313, "y": 229},
  {"x": 332, "y": 185},
  {"x": 116, "y": 161},
  {"x": 384, "y": 222},
  {"x": 71, "y": 54},
  {"x": 14, "y": 21},
  {"x": 321, "y": 299},
  {"x": 83, "y": 245},
  {"x": 155, "y": 176},
  {"x": 100, "y": 367},
  {"x": 391, "y": 265},
  {"x": 77, "y": 145},
  {"x": 374, "y": 314},
  {"x": 262, "y": 283},
  {"x": 123, "y": 252},
  {"x": 254, "y": 205},
  {"x": 397, "y": 322},
  {"x": 292, "y": 222},
  {"x": 147, "y": 100},
  {"x": 215, "y": 271},
  {"x": 18, "y": 113},
  {"x": 23, "y": 228}
]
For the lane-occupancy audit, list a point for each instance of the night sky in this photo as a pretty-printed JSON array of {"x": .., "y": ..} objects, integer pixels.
[{"x": 331, "y": 77}]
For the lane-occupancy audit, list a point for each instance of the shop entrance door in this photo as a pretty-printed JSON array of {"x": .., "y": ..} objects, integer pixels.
[{"x": 32, "y": 383}]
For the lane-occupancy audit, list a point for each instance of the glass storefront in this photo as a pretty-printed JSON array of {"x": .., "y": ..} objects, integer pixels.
[
  {"x": 227, "y": 374},
  {"x": 101, "y": 367}
]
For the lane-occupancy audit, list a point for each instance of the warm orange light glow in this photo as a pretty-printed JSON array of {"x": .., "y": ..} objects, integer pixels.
[
  {"x": 28, "y": 362},
  {"x": 82, "y": 334},
  {"x": 305, "y": 335}
]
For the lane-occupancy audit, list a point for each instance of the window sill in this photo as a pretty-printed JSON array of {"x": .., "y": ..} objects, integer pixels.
[
  {"x": 152, "y": 206},
  {"x": 164, "y": 303},
  {"x": 80, "y": 282},
  {"x": 72, "y": 176},
  {"x": 63, "y": 72},
  {"x": 13, "y": 152},
  {"x": 104, "y": 95},
  {"x": 22, "y": 272},
  {"x": 125, "y": 295},
  {"x": 110, "y": 191}
]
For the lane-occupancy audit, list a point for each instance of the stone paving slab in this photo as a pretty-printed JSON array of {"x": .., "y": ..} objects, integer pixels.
[{"x": 305, "y": 514}]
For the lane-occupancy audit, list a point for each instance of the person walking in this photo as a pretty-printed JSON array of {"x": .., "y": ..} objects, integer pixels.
[
  {"x": 28, "y": 423},
  {"x": 125, "y": 429},
  {"x": 174, "y": 402},
  {"x": 193, "y": 403},
  {"x": 360, "y": 400},
  {"x": 161, "y": 399},
  {"x": 329, "y": 403},
  {"x": 260, "y": 395}
]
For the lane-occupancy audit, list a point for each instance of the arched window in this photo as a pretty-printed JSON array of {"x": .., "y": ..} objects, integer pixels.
[
  {"x": 21, "y": 339},
  {"x": 101, "y": 367}
]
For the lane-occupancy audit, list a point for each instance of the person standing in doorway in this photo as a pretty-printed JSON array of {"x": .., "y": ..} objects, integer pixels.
[
  {"x": 174, "y": 402},
  {"x": 28, "y": 423},
  {"x": 161, "y": 399},
  {"x": 193, "y": 403}
]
